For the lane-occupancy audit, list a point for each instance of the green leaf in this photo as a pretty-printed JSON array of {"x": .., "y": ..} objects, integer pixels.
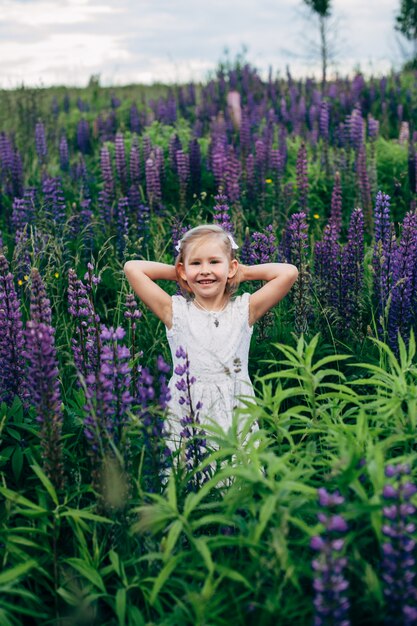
[
  {"x": 87, "y": 572},
  {"x": 172, "y": 537},
  {"x": 163, "y": 576},
  {"x": 12, "y": 574},
  {"x": 86, "y": 515},
  {"x": 46, "y": 483},
  {"x": 233, "y": 575},
  {"x": 16, "y": 498},
  {"x": 120, "y": 606},
  {"x": 201, "y": 544},
  {"x": 17, "y": 462}
]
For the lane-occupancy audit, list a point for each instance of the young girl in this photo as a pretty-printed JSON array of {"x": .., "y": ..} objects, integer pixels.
[{"x": 212, "y": 328}]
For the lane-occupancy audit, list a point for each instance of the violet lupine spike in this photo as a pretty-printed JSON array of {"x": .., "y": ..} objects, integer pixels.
[
  {"x": 153, "y": 183},
  {"x": 107, "y": 173},
  {"x": 120, "y": 158},
  {"x": 192, "y": 434},
  {"x": 63, "y": 154},
  {"x": 331, "y": 603},
  {"x": 352, "y": 270},
  {"x": 108, "y": 398},
  {"x": 84, "y": 346},
  {"x": 44, "y": 395},
  {"x": 83, "y": 136},
  {"x": 260, "y": 162},
  {"x": 245, "y": 132},
  {"x": 403, "y": 282},
  {"x": 245, "y": 251},
  {"x": 302, "y": 178},
  {"x": 398, "y": 567},
  {"x": 356, "y": 126},
  {"x": 135, "y": 125},
  {"x": 18, "y": 218},
  {"x": 40, "y": 305},
  {"x": 122, "y": 226},
  {"x": 12, "y": 366},
  {"x": 327, "y": 267},
  {"x": 221, "y": 214},
  {"x": 54, "y": 201},
  {"x": 250, "y": 176},
  {"x": 134, "y": 163},
  {"x": 183, "y": 169},
  {"x": 195, "y": 165},
  {"x": 219, "y": 164},
  {"x": 146, "y": 147},
  {"x": 336, "y": 204},
  {"x": 297, "y": 228},
  {"x": 382, "y": 254},
  {"x": 40, "y": 142},
  {"x": 173, "y": 147},
  {"x": 263, "y": 248},
  {"x": 17, "y": 174},
  {"x": 232, "y": 178},
  {"x": 324, "y": 121}
]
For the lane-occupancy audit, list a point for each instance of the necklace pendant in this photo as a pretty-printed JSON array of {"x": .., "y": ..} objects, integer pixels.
[{"x": 216, "y": 322}]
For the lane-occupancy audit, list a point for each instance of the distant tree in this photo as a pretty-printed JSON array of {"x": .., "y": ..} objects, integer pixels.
[
  {"x": 323, "y": 9},
  {"x": 406, "y": 22}
]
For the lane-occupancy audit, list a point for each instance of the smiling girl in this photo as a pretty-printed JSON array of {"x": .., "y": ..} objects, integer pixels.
[{"x": 210, "y": 326}]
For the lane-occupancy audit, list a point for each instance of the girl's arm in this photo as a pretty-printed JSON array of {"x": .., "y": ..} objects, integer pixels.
[
  {"x": 142, "y": 276},
  {"x": 280, "y": 278}
]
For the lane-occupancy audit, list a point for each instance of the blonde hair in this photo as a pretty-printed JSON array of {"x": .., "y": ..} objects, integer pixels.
[{"x": 191, "y": 237}]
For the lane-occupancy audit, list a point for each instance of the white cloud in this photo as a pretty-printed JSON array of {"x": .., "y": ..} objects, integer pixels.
[
  {"x": 44, "y": 13},
  {"x": 68, "y": 58}
]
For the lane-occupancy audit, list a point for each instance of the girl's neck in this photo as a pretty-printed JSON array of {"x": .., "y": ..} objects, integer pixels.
[{"x": 212, "y": 306}]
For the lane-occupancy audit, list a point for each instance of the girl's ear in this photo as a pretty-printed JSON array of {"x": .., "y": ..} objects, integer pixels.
[
  {"x": 181, "y": 271},
  {"x": 234, "y": 264}
]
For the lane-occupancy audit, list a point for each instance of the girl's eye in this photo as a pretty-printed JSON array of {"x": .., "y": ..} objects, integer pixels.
[{"x": 214, "y": 261}]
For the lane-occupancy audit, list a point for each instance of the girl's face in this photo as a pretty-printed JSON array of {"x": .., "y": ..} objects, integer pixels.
[{"x": 206, "y": 269}]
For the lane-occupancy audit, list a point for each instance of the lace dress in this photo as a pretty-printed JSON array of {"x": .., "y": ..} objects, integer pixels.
[{"x": 217, "y": 345}]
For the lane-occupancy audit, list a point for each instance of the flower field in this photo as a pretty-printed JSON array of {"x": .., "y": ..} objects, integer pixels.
[{"x": 310, "y": 520}]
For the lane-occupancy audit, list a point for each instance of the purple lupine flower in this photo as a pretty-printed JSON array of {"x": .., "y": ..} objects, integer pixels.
[
  {"x": 54, "y": 201},
  {"x": 402, "y": 295},
  {"x": 80, "y": 307},
  {"x": 177, "y": 230},
  {"x": 245, "y": 251},
  {"x": 40, "y": 305},
  {"x": 263, "y": 248},
  {"x": 153, "y": 183},
  {"x": 12, "y": 374},
  {"x": 192, "y": 434},
  {"x": 195, "y": 166},
  {"x": 83, "y": 136},
  {"x": 219, "y": 164},
  {"x": 382, "y": 255},
  {"x": 245, "y": 132},
  {"x": 331, "y": 602},
  {"x": 108, "y": 396},
  {"x": 183, "y": 169},
  {"x": 44, "y": 395},
  {"x": 17, "y": 174},
  {"x": 352, "y": 268},
  {"x": 399, "y": 548},
  {"x": 107, "y": 177},
  {"x": 146, "y": 147},
  {"x": 302, "y": 177},
  {"x": 134, "y": 119},
  {"x": 297, "y": 229},
  {"x": 336, "y": 204},
  {"x": 324, "y": 121},
  {"x": 327, "y": 267},
  {"x": 133, "y": 314},
  {"x": 250, "y": 176},
  {"x": 120, "y": 157},
  {"x": 40, "y": 142},
  {"x": 232, "y": 177},
  {"x": 63, "y": 154},
  {"x": 173, "y": 147},
  {"x": 260, "y": 162},
  {"x": 134, "y": 163},
  {"x": 221, "y": 214},
  {"x": 122, "y": 226},
  {"x": 373, "y": 128},
  {"x": 356, "y": 129}
]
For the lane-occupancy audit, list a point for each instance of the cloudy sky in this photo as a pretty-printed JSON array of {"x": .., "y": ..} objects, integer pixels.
[{"x": 45, "y": 42}]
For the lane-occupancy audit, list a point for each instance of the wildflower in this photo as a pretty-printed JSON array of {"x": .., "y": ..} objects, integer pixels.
[
  {"x": 56, "y": 274},
  {"x": 268, "y": 181},
  {"x": 330, "y": 585},
  {"x": 398, "y": 563},
  {"x": 316, "y": 216}
]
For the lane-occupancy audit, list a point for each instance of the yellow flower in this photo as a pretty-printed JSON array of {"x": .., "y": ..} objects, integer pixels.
[
  {"x": 20, "y": 282},
  {"x": 56, "y": 274},
  {"x": 316, "y": 216},
  {"x": 268, "y": 180},
  {"x": 26, "y": 277}
]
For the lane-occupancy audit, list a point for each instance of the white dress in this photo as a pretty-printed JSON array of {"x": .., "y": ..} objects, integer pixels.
[{"x": 218, "y": 357}]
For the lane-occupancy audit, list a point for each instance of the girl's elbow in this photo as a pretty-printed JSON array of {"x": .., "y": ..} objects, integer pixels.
[{"x": 293, "y": 273}]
